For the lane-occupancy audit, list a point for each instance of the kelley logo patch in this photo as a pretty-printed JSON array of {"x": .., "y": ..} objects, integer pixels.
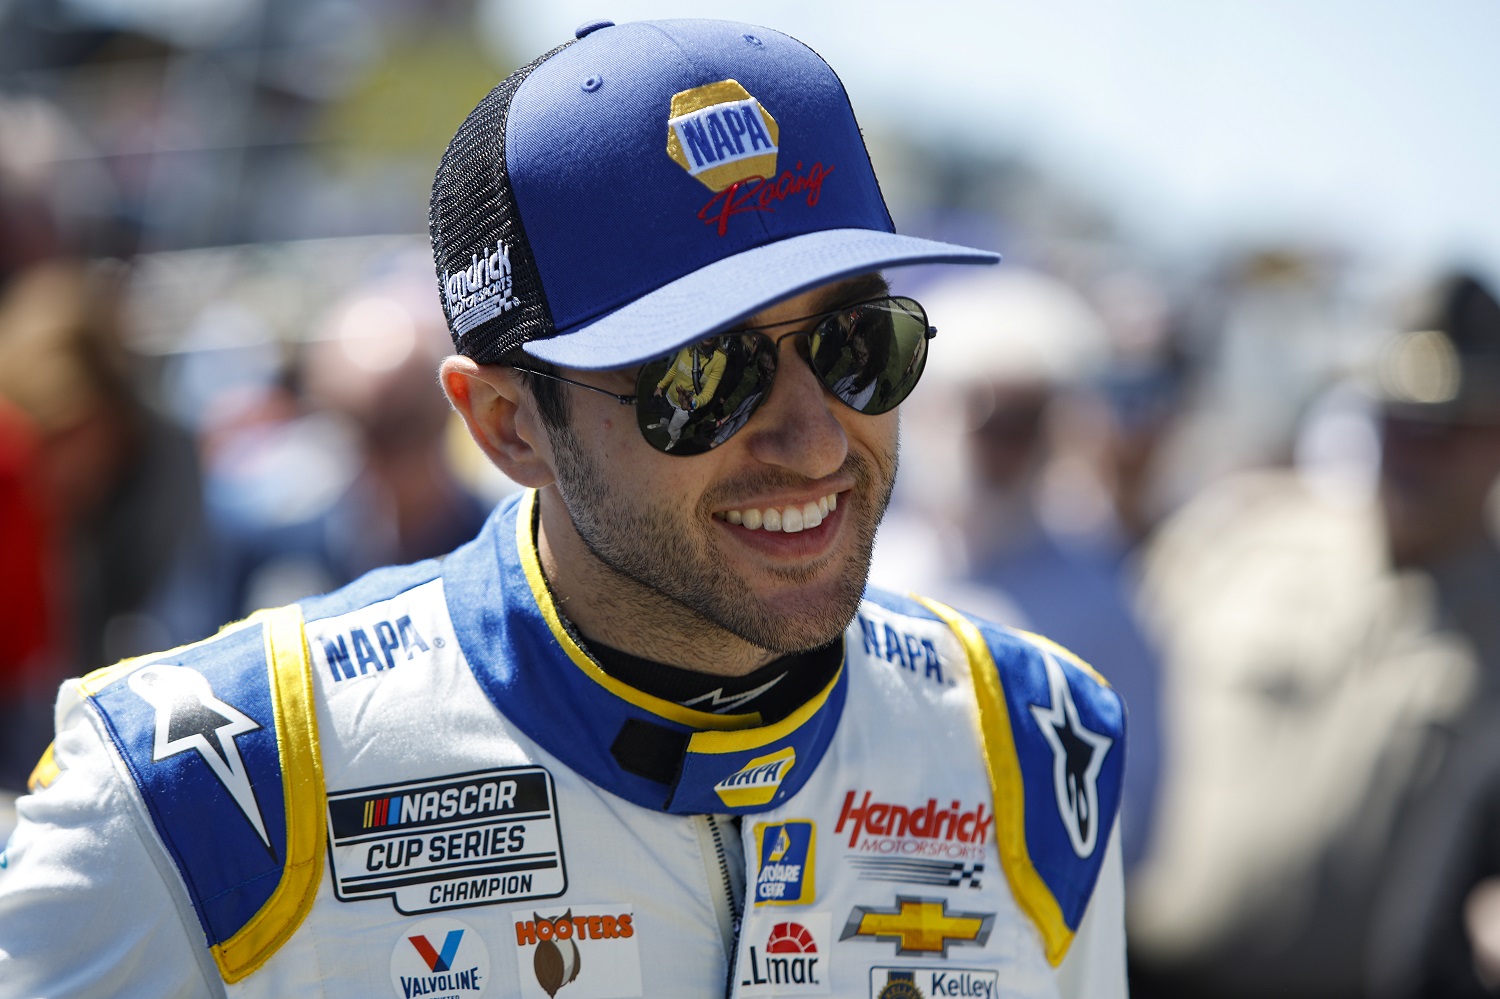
[
  {"x": 440, "y": 959},
  {"x": 756, "y": 782},
  {"x": 785, "y": 873},
  {"x": 448, "y": 842},
  {"x": 919, "y": 926},
  {"x": 929, "y": 983},
  {"x": 791, "y": 959},
  {"x": 591, "y": 951}
]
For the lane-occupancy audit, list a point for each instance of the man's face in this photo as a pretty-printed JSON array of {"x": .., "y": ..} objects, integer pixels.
[{"x": 664, "y": 526}]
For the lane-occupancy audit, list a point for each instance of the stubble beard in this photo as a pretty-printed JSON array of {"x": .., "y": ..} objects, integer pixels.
[{"x": 682, "y": 570}]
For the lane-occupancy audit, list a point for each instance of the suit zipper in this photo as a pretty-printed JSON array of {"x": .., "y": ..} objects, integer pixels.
[{"x": 721, "y": 855}]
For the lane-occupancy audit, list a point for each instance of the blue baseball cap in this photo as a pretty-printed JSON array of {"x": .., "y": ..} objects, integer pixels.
[{"x": 652, "y": 183}]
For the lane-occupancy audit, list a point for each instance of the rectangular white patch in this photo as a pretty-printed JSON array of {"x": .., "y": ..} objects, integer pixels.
[
  {"x": 785, "y": 955},
  {"x": 449, "y": 842},
  {"x": 931, "y": 983},
  {"x": 591, "y": 949}
]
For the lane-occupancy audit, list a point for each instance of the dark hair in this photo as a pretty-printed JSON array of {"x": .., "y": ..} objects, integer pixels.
[{"x": 551, "y": 403}]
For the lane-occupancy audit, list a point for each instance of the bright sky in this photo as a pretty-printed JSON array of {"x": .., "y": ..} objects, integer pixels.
[{"x": 1373, "y": 121}]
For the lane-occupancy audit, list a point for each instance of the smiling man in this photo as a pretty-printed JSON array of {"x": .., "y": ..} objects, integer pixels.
[{"x": 648, "y": 734}]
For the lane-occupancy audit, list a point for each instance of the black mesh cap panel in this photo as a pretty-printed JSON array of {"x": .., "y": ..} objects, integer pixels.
[{"x": 487, "y": 277}]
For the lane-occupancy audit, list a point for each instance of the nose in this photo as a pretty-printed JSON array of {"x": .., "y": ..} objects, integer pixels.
[{"x": 797, "y": 427}]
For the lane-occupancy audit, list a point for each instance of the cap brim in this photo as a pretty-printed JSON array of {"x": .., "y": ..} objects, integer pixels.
[{"x": 715, "y": 297}]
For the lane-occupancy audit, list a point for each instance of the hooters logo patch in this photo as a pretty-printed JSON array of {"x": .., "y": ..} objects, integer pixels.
[{"x": 585, "y": 952}]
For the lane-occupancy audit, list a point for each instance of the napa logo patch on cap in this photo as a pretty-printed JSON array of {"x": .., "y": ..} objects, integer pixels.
[
  {"x": 756, "y": 782},
  {"x": 721, "y": 135}
]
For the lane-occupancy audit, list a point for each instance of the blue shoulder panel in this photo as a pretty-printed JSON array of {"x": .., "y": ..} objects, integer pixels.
[
  {"x": 1069, "y": 732},
  {"x": 197, "y": 729}
]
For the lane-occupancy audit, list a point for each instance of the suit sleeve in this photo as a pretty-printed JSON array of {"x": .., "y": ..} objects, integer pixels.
[
  {"x": 85, "y": 911},
  {"x": 1095, "y": 965}
]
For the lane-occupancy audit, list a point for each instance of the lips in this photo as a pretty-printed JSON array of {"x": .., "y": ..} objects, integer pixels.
[{"x": 783, "y": 519}]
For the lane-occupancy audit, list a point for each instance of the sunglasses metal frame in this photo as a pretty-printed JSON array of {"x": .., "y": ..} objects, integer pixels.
[{"x": 631, "y": 400}]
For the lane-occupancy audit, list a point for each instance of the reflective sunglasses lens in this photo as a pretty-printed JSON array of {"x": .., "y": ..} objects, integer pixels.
[
  {"x": 694, "y": 400},
  {"x": 872, "y": 354}
]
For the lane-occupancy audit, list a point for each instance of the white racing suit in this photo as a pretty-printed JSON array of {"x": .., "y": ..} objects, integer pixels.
[{"x": 420, "y": 785}]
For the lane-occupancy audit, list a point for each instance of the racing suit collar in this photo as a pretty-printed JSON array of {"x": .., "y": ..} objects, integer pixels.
[{"x": 537, "y": 674}]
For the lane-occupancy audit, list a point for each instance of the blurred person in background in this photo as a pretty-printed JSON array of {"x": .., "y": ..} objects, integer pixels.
[
  {"x": 1027, "y": 457},
  {"x": 115, "y": 502},
  {"x": 100, "y": 492},
  {"x": 1328, "y": 822},
  {"x": 343, "y": 465}
]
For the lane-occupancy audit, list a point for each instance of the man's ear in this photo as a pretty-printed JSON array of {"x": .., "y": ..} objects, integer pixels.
[{"x": 502, "y": 418}]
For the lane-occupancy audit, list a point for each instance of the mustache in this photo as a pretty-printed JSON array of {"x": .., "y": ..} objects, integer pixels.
[{"x": 856, "y": 467}]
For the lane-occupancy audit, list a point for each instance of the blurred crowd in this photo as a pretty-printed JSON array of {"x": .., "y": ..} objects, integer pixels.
[{"x": 1258, "y": 492}]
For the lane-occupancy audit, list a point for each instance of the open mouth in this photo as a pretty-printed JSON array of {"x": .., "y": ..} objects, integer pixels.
[{"x": 783, "y": 519}]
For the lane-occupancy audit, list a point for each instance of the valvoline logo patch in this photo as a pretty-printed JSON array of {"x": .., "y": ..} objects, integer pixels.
[
  {"x": 756, "y": 782},
  {"x": 440, "y": 957}
]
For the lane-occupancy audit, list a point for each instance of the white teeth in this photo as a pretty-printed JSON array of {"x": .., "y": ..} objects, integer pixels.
[{"x": 789, "y": 519}]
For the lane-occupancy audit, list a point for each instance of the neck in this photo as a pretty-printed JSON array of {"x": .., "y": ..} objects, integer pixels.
[{"x": 611, "y": 608}]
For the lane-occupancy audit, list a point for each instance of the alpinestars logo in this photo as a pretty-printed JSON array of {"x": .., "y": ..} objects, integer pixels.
[
  {"x": 189, "y": 718},
  {"x": 1077, "y": 757}
]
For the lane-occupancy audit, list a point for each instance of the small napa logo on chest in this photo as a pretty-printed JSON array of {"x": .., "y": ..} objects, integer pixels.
[
  {"x": 756, "y": 782},
  {"x": 721, "y": 135}
]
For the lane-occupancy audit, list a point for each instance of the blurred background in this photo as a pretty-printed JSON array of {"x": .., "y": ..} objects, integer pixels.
[{"x": 1226, "y": 423}]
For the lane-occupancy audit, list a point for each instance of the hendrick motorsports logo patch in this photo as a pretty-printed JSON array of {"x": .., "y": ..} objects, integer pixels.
[
  {"x": 440, "y": 959},
  {"x": 929, "y": 983},
  {"x": 588, "y": 950},
  {"x": 448, "y": 842}
]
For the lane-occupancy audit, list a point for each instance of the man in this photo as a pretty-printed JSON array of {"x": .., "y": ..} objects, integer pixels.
[
  {"x": 691, "y": 382},
  {"x": 645, "y": 736},
  {"x": 1336, "y": 663}
]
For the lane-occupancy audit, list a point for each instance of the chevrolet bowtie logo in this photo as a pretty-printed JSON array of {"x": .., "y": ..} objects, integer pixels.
[{"x": 919, "y": 925}]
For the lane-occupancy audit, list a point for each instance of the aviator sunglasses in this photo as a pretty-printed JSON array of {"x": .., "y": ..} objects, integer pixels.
[{"x": 869, "y": 355}]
